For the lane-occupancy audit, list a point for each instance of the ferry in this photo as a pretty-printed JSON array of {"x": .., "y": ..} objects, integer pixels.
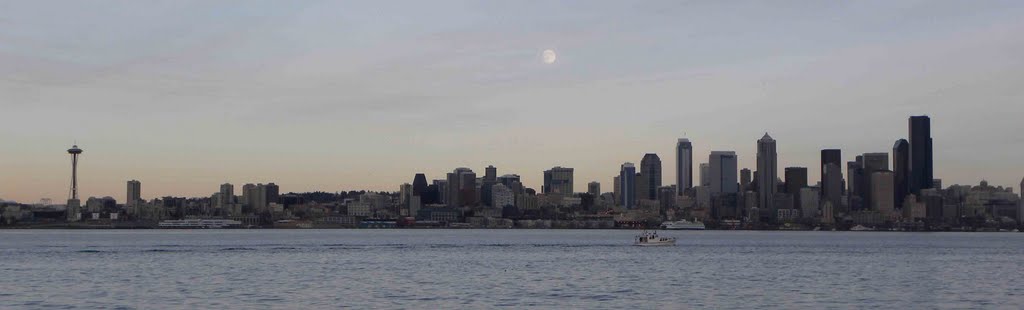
[
  {"x": 199, "y": 223},
  {"x": 652, "y": 239},
  {"x": 683, "y": 225}
]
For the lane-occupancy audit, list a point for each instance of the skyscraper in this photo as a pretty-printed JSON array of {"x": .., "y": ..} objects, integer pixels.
[
  {"x": 882, "y": 192},
  {"x": 767, "y": 172},
  {"x": 901, "y": 170},
  {"x": 249, "y": 195},
  {"x": 134, "y": 193},
  {"x": 627, "y": 184},
  {"x": 832, "y": 185},
  {"x": 870, "y": 163},
  {"x": 829, "y": 156},
  {"x": 920, "y": 154},
  {"x": 796, "y": 179},
  {"x": 684, "y": 166},
  {"x": 490, "y": 174},
  {"x": 594, "y": 189},
  {"x": 723, "y": 172},
  {"x": 227, "y": 194},
  {"x": 419, "y": 184},
  {"x": 705, "y": 174},
  {"x": 461, "y": 187},
  {"x": 558, "y": 180},
  {"x": 650, "y": 169},
  {"x": 744, "y": 179}
]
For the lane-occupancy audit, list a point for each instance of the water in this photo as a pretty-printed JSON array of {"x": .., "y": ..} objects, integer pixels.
[{"x": 444, "y": 269}]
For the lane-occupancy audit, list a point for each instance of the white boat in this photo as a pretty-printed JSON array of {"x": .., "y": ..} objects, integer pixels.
[
  {"x": 652, "y": 239},
  {"x": 683, "y": 225},
  {"x": 199, "y": 223},
  {"x": 860, "y": 228}
]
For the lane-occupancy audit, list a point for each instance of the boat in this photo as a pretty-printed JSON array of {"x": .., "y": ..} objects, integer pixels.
[
  {"x": 199, "y": 223},
  {"x": 652, "y": 239},
  {"x": 860, "y": 228},
  {"x": 683, "y": 225}
]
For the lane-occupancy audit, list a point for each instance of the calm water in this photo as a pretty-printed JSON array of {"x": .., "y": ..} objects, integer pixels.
[{"x": 434, "y": 269}]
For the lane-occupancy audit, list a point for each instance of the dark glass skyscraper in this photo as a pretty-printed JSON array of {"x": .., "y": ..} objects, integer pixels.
[
  {"x": 684, "y": 166},
  {"x": 627, "y": 185},
  {"x": 829, "y": 156},
  {"x": 419, "y": 184},
  {"x": 920, "y": 154},
  {"x": 796, "y": 178},
  {"x": 901, "y": 170},
  {"x": 650, "y": 169}
]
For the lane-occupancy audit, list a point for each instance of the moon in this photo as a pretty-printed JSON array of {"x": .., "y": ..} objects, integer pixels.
[{"x": 548, "y": 56}]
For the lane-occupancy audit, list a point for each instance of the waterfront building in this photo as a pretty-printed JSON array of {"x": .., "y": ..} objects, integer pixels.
[
  {"x": 920, "y": 154},
  {"x": 627, "y": 184},
  {"x": 684, "y": 166},
  {"x": 650, "y": 169},
  {"x": 558, "y": 180},
  {"x": 722, "y": 172},
  {"x": 767, "y": 172}
]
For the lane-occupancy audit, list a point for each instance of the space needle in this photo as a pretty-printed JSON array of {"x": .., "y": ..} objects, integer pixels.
[{"x": 73, "y": 202}]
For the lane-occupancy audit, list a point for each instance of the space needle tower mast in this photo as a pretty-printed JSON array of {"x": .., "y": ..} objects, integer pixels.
[{"x": 74, "y": 151}]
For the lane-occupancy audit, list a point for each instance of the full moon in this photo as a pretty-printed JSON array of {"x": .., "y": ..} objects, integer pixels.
[{"x": 548, "y": 56}]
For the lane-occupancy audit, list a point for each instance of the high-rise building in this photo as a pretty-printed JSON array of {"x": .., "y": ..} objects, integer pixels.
[
  {"x": 617, "y": 188},
  {"x": 871, "y": 162},
  {"x": 134, "y": 193},
  {"x": 558, "y": 180},
  {"x": 1020, "y": 204},
  {"x": 832, "y": 185},
  {"x": 249, "y": 195},
  {"x": 227, "y": 194},
  {"x": 627, "y": 183},
  {"x": 882, "y": 192},
  {"x": 684, "y": 166},
  {"x": 705, "y": 174},
  {"x": 809, "y": 202},
  {"x": 920, "y": 154},
  {"x": 901, "y": 170},
  {"x": 419, "y": 185},
  {"x": 273, "y": 192},
  {"x": 490, "y": 174},
  {"x": 767, "y": 172},
  {"x": 796, "y": 179},
  {"x": 829, "y": 156},
  {"x": 723, "y": 172},
  {"x": 594, "y": 189},
  {"x": 462, "y": 188},
  {"x": 744, "y": 180},
  {"x": 405, "y": 194},
  {"x": 442, "y": 192},
  {"x": 650, "y": 169},
  {"x": 502, "y": 196}
]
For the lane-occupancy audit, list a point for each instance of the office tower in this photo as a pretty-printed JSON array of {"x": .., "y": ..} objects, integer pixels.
[
  {"x": 920, "y": 154},
  {"x": 744, "y": 180},
  {"x": 134, "y": 193},
  {"x": 882, "y": 192},
  {"x": 490, "y": 174},
  {"x": 249, "y": 195},
  {"x": 767, "y": 172},
  {"x": 650, "y": 169},
  {"x": 808, "y": 197},
  {"x": 796, "y": 179},
  {"x": 722, "y": 172},
  {"x": 901, "y": 170},
  {"x": 404, "y": 194},
  {"x": 558, "y": 180},
  {"x": 627, "y": 183},
  {"x": 1020, "y": 204},
  {"x": 832, "y": 185},
  {"x": 461, "y": 187},
  {"x": 502, "y": 196},
  {"x": 272, "y": 192},
  {"x": 442, "y": 192},
  {"x": 684, "y": 166},
  {"x": 705, "y": 176},
  {"x": 667, "y": 197},
  {"x": 513, "y": 182},
  {"x": 594, "y": 189},
  {"x": 871, "y": 162},
  {"x": 617, "y": 188},
  {"x": 419, "y": 184},
  {"x": 827, "y": 213},
  {"x": 227, "y": 194},
  {"x": 829, "y": 156}
]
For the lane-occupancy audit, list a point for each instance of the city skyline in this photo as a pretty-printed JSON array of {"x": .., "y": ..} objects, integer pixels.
[{"x": 295, "y": 95}]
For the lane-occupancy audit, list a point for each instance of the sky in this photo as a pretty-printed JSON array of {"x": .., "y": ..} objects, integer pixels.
[{"x": 348, "y": 95}]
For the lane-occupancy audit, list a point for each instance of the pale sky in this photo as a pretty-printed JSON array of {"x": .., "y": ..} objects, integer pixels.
[{"x": 347, "y": 95}]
